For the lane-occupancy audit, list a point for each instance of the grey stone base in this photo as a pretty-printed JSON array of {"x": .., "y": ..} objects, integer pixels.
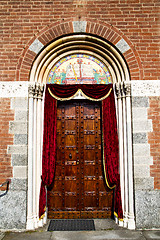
[
  {"x": 13, "y": 210},
  {"x": 147, "y": 206},
  {"x": 85, "y": 235}
]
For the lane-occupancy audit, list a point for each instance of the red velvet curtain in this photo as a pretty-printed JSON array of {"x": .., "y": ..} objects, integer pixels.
[
  {"x": 49, "y": 148},
  {"x": 111, "y": 152}
]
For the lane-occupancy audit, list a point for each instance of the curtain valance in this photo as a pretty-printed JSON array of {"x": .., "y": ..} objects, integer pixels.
[{"x": 93, "y": 92}]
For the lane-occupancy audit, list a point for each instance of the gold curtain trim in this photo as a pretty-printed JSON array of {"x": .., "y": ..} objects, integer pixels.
[
  {"x": 105, "y": 175},
  {"x": 93, "y": 99},
  {"x": 62, "y": 99},
  {"x": 79, "y": 90},
  {"x": 43, "y": 214},
  {"x": 116, "y": 215}
]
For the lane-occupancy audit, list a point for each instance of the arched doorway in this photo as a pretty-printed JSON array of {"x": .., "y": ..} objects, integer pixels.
[{"x": 111, "y": 58}]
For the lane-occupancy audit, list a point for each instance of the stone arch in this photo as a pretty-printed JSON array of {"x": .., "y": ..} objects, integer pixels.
[
  {"x": 114, "y": 49},
  {"x": 91, "y": 27},
  {"x": 73, "y": 44}
]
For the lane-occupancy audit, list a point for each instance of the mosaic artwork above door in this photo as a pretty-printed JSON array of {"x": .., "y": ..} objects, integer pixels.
[{"x": 79, "y": 69}]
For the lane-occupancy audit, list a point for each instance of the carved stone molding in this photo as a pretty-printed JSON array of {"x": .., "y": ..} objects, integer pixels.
[
  {"x": 31, "y": 89},
  {"x": 118, "y": 90},
  {"x": 123, "y": 89},
  {"x": 41, "y": 90},
  {"x": 127, "y": 89},
  {"x": 35, "y": 90}
]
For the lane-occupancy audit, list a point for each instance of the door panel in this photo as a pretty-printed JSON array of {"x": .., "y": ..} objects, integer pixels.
[{"x": 79, "y": 189}]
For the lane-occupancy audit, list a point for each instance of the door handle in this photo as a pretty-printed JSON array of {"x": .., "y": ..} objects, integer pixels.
[{"x": 70, "y": 156}]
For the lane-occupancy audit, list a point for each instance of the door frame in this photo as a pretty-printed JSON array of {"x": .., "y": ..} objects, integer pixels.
[{"x": 35, "y": 140}]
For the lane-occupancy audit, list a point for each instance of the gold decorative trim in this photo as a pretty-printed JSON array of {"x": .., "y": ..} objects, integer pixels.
[
  {"x": 93, "y": 99},
  {"x": 105, "y": 175},
  {"x": 62, "y": 99},
  {"x": 116, "y": 215},
  {"x": 79, "y": 90},
  {"x": 41, "y": 217}
]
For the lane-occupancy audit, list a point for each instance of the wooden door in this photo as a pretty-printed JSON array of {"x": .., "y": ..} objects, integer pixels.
[{"x": 79, "y": 189}]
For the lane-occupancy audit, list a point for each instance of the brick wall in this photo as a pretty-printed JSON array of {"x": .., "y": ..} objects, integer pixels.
[
  {"x": 137, "y": 22},
  {"x": 23, "y": 20},
  {"x": 154, "y": 139},
  {"x": 6, "y": 115}
]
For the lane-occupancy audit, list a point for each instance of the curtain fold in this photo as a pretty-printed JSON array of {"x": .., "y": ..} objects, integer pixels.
[
  {"x": 110, "y": 137},
  {"x": 49, "y": 149},
  {"x": 111, "y": 151}
]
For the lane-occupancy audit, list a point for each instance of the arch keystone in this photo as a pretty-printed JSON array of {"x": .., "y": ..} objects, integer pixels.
[{"x": 79, "y": 26}]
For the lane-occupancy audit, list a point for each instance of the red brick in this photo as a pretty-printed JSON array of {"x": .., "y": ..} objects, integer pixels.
[
  {"x": 6, "y": 139},
  {"x": 154, "y": 139}
]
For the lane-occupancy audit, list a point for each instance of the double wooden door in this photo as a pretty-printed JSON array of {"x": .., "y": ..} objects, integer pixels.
[{"x": 79, "y": 189}]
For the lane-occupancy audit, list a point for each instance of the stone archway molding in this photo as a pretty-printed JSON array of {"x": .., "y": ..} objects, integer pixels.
[
  {"x": 40, "y": 56},
  {"x": 70, "y": 26}
]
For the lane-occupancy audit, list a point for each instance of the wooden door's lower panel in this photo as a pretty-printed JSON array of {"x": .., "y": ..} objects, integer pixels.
[
  {"x": 63, "y": 214},
  {"x": 96, "y": 214},
  {"x": 79, "y": 214}
]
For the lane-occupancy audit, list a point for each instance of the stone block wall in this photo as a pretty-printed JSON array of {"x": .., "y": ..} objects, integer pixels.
[
  {"x": 141, "y": 148},
  {"x": 13, "y": 205},
  {"x": 146, "y": 145}
]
